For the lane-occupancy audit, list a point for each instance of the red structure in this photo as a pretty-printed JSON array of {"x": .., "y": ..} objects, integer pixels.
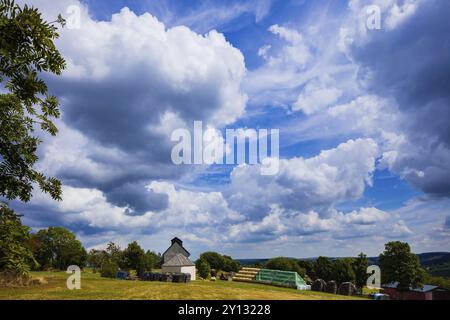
[{"x": 427, "y": 292}]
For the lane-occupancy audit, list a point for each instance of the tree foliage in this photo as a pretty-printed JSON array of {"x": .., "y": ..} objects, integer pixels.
[
  {"x": 133, "y": 256},
  {"x": 203, "y": 268},
  {"x": 285, "y": 264},
  {"x": 342, "y": 270},
  {"x": 15, "y": 254},
  {"x": 399, "y": 264},
  {"x": 324, "y": 268},
  {"x": 109, "y": 269},
  {"x": 230, "y": 265},
  {"x": 214, "y": 259},
  {"x": 307, "y": 265},
  {"x": 220, "y": 262},
  {"x": 26, "y": 49},
  {"x": 58, "y": 248},
  {"x": 360, "y": 265},
  {"x": 95, "y": 259}
]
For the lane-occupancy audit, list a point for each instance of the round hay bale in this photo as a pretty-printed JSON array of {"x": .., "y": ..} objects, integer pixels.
[
  {"x": 347, "y": 289},
  {"x": 331, "y": 287},
  {"x": 318, "y": 285}
]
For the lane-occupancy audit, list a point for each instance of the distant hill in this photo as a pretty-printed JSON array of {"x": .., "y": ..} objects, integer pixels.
[{"x": 437, "y": 263}]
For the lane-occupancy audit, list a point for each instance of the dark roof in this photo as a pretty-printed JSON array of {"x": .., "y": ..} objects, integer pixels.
[
  {"x": 178, "y": 260},
  {"x": 177, "y": 240},
  {"x": 425, "y": 288}
]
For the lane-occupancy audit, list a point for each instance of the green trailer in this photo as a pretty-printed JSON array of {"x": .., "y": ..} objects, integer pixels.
[{"x": 282, "y": 278}]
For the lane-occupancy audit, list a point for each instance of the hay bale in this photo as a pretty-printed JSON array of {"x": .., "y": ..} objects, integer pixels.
[
  {"x": 319, "y": 285},
  {"x": 347, "y": 289},
  {"x": 331, "y": 287}
]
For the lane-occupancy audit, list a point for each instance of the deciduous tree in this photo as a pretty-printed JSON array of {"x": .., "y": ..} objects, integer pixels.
[
  {"x": 15, "y": 253},
  {"x": 360, "y": 265},
  {"x": 59, "y": 248},
  {"x": 26, "y": 50},
  {"x": 399, "y": 264}
]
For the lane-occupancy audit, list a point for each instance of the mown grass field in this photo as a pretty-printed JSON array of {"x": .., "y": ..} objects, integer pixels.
[{"x": 94, "y": 287}]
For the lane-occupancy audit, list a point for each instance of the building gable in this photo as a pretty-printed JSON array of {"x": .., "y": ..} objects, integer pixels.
[{"x": 174, "y": 249}]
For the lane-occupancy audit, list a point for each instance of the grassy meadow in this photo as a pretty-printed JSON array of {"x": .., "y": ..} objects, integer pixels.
[{"x": 93, "y": 287}]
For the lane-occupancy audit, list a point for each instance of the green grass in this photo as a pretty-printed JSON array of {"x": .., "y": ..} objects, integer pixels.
[{"x": 94, "y": 287}]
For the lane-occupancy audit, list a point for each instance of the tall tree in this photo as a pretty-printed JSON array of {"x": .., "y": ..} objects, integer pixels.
[
  {"x": 59, "y": 249},
  {"x": 115, "y": 254},
  {"x": 399, "y": 264},
  {"x": 323, "y": 267},
  {"x": 96, "y": 258},
  {"x": 134, "y": 256},
  {"x": 342, "y": 270},
  {"x": 360, "y": 265},
  {"x": 26, "y": 49}
]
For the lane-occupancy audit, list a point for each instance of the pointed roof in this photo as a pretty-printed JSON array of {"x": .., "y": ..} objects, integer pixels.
[
  {"x": 178, "y": 241},
  {"x": 178, "y": 260}
]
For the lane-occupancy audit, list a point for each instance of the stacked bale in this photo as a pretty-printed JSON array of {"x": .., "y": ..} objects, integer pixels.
[
  {"x": 318, "y": 285},
  {"x": 157, "y": 277},
  {"x": 123, "y": 275},
  {"x": 347, "y": 289},
  {"x": 331, "y": 287},
  {"x": 177, "y": 278}
]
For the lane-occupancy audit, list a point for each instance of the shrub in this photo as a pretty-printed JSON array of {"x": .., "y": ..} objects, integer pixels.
[
  {"x": 203, "y": 268},
  {"x": 109, "y": 269},
  {"x": 15, "y": 255},
  {"x": 214, "y": 259}
]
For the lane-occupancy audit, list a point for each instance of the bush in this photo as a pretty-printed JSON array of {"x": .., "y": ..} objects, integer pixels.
[
  {"x": 230, "y": 265},
  {"x": 214, "y": 259},
  {"x": 15, "y": 255},
  {"x": 220, "y": 262},
  {"x": 109, "y": 269},
  {"x": 203, "y": 268}
]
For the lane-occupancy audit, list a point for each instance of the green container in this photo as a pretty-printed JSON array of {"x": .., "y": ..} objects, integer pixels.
[{"x": 282, "y": 278}]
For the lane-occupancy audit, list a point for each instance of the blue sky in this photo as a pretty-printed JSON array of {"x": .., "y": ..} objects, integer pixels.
[{"x": 362, "y": 112}]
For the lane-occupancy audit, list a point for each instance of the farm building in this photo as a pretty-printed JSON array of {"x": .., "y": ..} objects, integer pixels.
[
  {"x": 175, "y": 248},
  {"x": 427, "y": 292},
  {"x": 176, "y": 259}
]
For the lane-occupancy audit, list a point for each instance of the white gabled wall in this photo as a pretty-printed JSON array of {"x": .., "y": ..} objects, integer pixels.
[
  {"x": 187, "y": 269},
  {"x": 190, "y": 269}
]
